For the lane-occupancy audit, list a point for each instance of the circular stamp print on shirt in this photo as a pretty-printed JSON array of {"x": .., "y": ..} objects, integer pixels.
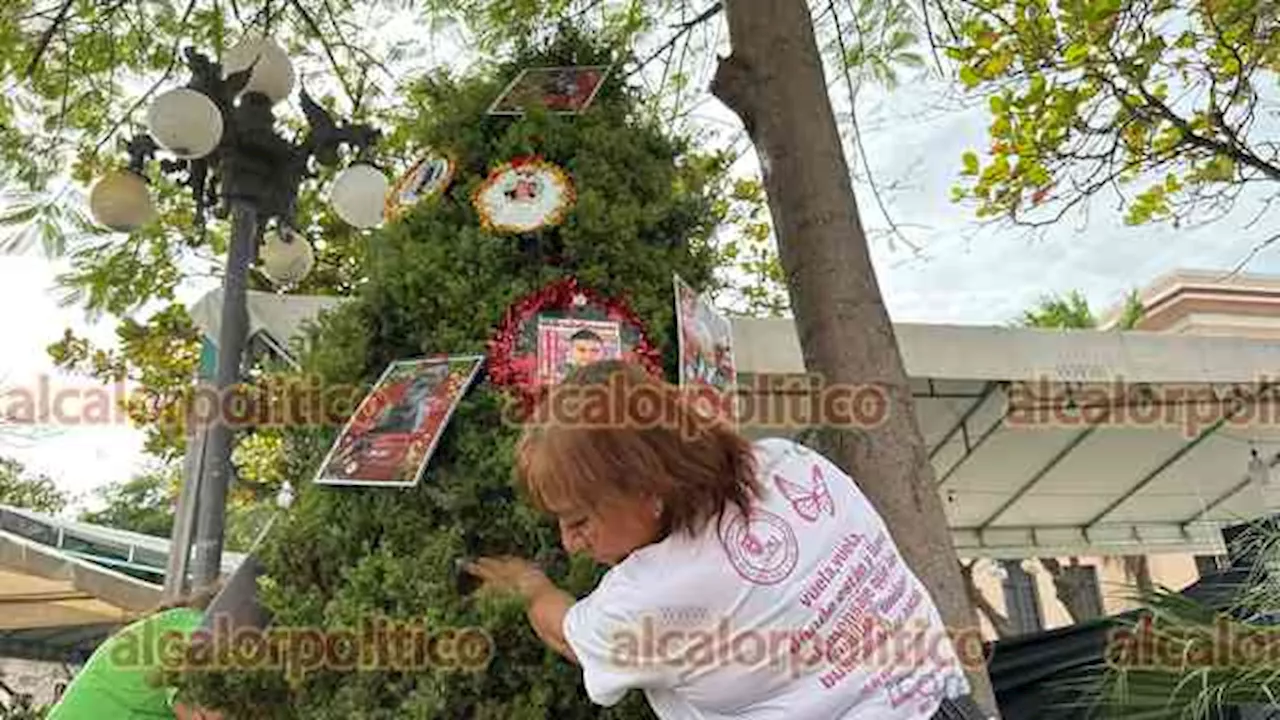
[{"x": 763, "y": 549}]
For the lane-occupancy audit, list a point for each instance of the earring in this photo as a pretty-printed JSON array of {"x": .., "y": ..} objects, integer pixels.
[{"x": 657, "y": 509}]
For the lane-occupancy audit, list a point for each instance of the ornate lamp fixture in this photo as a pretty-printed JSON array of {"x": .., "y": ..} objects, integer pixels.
[{"x": 220, "y": 131}]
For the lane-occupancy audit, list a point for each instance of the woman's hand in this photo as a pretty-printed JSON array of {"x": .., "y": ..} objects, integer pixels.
[
  {"x": 509, "y": 574},
  {"x": 547, "y": 604}
]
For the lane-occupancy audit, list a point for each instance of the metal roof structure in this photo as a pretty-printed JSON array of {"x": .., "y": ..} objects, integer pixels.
[
  {"x": 65, "y": 585},
  {"x": 275, "y": 319},
  {"x": 1074, "y": 441}
]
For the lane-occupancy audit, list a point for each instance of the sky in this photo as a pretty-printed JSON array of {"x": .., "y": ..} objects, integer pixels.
[
  {"x": 77, "y": 458},
  {"x": 964, "y": 273}
]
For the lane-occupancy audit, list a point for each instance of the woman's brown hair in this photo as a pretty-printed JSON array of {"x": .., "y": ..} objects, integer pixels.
[{"x": 612, "y": 429}]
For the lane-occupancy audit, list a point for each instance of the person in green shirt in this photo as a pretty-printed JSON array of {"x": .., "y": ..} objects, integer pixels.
[{"x": 121, "y": 680}]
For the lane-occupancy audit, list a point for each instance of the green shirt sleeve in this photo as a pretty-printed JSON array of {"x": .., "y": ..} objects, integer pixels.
[{"x": 120, "y": 678}]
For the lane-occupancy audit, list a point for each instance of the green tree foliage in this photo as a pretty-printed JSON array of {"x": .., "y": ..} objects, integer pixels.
[
  {"x": 143, "y": 504},
  {"x": 877, "y": 41},
  {"x": 646, "y": 207},
  {"x": 159, "y": 358},
  {"x": 1159, "y": 103},
  {"x": 18, "y": 488},
  {"x": 147, "y": 502},
  {"x": 1058, "y": 312},
  {"x": 1073, "y": 312}
]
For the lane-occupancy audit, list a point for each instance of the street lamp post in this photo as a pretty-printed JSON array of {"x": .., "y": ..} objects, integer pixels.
[{"x": 221, "y": 130}]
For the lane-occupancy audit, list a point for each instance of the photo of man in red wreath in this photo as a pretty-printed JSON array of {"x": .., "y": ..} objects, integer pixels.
[
  {"x": 565, "y": 345},
  {"x": 585, "y": 347}
]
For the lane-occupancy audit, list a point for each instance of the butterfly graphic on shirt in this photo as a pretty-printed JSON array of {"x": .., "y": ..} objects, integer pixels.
[{"x": 808, "y": 501}]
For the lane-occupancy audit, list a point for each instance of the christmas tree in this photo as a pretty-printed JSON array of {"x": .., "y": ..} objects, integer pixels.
[{"x": 439, "y": 283}]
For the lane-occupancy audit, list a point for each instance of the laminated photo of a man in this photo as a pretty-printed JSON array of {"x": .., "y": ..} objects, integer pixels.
[
  {"x": 377, "y": 448},
  {"x": 585, "y": 347}
]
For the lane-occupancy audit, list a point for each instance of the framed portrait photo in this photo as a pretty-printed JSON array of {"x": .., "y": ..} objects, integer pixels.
[
  {"x": 566, "y": 90},
  {"x": 428, "y": 177},
  {"x": 565, "y": 344},
  {"x": 523, "y": 195},
  {"x": 389, "y": 440},
  {"x": 548, "y": 333},
  {"x": 705, "y": 346}
]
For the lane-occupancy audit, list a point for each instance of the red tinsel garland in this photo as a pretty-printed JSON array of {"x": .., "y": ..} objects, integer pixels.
[{"x": 519, "y": 372}]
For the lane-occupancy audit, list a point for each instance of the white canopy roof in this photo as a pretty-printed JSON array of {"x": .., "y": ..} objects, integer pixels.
[
  {"x": 1076, "y": 479},
  {"x": 279, "y": 318}
]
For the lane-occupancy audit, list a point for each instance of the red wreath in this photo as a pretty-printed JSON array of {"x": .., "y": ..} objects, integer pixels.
[{"x": 510, "y": 367}]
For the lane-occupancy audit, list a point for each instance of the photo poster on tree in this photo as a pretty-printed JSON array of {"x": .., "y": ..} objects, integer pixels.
[
  {"x": 566, "y": 344},
  {"x": 389, "y": 440},
  {"x": 548, "y": 333},
  {"x": 523, "y": 195},
  {"x": 566, "y": 90},
  {"x": 705, "y": 340},
  {"x": 428, "y": 177}
]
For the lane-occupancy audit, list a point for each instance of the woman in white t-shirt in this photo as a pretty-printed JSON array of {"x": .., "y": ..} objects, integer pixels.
[{"x": 747, "y": 580}]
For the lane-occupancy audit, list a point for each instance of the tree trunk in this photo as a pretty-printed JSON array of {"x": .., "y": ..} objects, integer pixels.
[{"x": 774, "y": 82}]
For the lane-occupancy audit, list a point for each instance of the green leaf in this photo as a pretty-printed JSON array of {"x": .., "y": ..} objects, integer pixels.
[
  {"x": 971, "y": 165},
  {"x": 969, "y": 77},
  {"x": 19, "y": 216},
  {"x": 1076, "y": 54}
]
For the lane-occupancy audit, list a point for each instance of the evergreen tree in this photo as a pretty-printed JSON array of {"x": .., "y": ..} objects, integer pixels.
[{"x": 646, "y": 207}]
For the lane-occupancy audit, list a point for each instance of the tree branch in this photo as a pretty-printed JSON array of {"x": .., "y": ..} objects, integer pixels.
[
  {"x": 328, "y": 51},
  {"x": 362, "y": 52},
  {"x": 173, "y": 63},
  {"x": 1235, "y": 52},
  {"x": 731, "y": 79},
  {"x": 684, "y": 28},
  {"x": 46, "y": 38},
  {"x": 1252, "y": 253},
  {"x": 857, "y": 134},
  {"x": 928, "y": 31},
  {"x": 1232, "y": 149}
]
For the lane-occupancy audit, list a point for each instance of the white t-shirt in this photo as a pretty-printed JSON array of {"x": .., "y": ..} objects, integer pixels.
[{"x": 771, "y": 618}]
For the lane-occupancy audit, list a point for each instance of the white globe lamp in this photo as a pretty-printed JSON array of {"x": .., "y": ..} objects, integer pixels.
[
  {"x": 358, "y": 195},
  {"x": 273, "y": 74},
  {"x": 286, "y": 259},
  {"x": 185, "y": 122},
  {"x": 121, "y": 201}
]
